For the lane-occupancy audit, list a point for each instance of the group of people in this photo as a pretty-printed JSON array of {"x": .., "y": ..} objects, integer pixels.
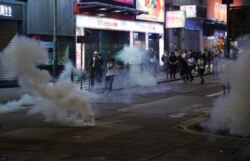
[{"x": 184, "y": 62}]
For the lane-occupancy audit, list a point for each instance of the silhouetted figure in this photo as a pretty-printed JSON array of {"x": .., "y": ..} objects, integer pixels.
[{"x": 96, "y": 68}]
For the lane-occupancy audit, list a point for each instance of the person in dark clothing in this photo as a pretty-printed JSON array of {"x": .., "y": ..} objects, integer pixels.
[
  {"x": 173, "y": 61},
  {"x": 164, "y": 59},
  {"x": 183, "y": 69},
  {"x": 96, "y": 66}
]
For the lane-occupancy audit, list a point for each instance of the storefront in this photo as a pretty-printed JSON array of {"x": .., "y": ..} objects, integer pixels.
[
  {"x": 184, "y": 28},
  {"x": 175, "y": 25},
  {"x": 110, "y": 35},
  {"x": 193, "y": 35},
  {"x": 11, "y": 17},
  {"x": 215, "y": 29}
]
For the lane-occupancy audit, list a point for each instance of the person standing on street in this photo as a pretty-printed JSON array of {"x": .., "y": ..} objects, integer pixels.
[
  {"x": 164, "y": 59},
  {"x": 111, "y": 68},
  {"x": 96, "y": 64},
  {"x": 201, "y": 68},
  {"x": 173, "y": 61},
  {"x": 183, "y": 69},
  {"x": 191, "y": 66}
]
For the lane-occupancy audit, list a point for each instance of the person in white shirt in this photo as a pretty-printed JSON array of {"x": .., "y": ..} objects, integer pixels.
[
  {"x": 109, "y": 78},
  {"x": 191, "y": 66}
]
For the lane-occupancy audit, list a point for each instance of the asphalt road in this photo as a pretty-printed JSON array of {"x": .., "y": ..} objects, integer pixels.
[{"x": 136, "y": 124}]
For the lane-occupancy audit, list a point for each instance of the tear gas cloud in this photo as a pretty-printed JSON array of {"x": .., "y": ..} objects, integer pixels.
[
  {"x": 232, "y": 112},
  {"x": 136, "y": 76},
  {"x": 59, "y": 102}
]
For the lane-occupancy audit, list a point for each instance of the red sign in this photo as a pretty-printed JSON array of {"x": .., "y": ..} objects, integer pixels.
[{"x": 125, "y": 1}]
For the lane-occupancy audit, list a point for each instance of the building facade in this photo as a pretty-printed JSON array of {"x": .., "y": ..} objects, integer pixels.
[
  {"x": 12, "y": 24},
  {"x": 184, "y": 24},
  {"x": 114, "y": 25},
  {"x": 52, "y": 22}
]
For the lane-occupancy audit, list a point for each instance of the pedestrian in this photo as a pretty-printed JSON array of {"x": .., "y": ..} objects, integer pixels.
[
  {"x": 191, "y": 66},
  {"x": 96, "y": 66},
  {"x": 164, "y": 59},
  {"x": 201, "y": 68},
  {"x": 152, "y": 62},
  {"x": 109, "y": 78},
  {"x": 184, "y": 54},
  {"x": 183, "y": 69},
  {"x": 216, "y": 62},
  {"x": 173, "y": 61}
]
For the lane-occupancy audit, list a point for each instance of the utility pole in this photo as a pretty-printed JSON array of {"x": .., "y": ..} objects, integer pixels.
[
  {"x": 228, "y": 2},
  {"x": 55, "y": 40},
  {"x": 228, "y": 30}
]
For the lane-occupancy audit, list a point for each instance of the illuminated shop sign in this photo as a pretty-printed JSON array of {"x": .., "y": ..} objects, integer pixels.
[
  {"x": 175, "y": 19},
  {"x": 10, "y": 11},
  {"x": 114, "y": 24},
  {"x": 190, "y": 10},
  {"x": 155, "y": 8},
  {"x": 5, "y": 10},
  {"x": 216, "y": 10},
  {"x": 131, "y": 2}
]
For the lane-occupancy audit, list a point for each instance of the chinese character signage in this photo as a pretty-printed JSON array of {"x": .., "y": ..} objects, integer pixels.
[
  {"x": 130, "y": 2},
  {"x": 10, "y": 11},
  {"x": 190, "y": 10},
  {"x": 155, "y": 9},
  {"x": 175, "y": 19},
  {"x": 5, "y": 10}
]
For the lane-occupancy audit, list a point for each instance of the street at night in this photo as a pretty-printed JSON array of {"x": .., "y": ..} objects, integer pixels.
[
  {"x": 153, "y": 123},
  {"x": 124, "y": 80}
]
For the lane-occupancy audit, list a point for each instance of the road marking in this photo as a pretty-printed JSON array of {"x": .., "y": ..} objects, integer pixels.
[
  {"x": 160, "y": 89},
  {"x": 187, "y": 90},
  {"x": 177, "y": 115},
  {"x": 215, "y": 94},
  {"x": 155, "y": 90},
  {"x": 214, "y": 85}
]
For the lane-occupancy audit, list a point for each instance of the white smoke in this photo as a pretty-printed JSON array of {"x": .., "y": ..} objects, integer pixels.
[
  {"x": 136, "y": 76},
  {"x": 23, "y": 103},
  {"x": 68, "y": 71},
  {"x": 59, "y": 102},
  {"x": 232, "y": 112}
]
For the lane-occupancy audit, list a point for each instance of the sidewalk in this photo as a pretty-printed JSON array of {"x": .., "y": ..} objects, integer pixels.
[
  {"x": 121, "y": 82},
  {"x": 14, "y": 93}
]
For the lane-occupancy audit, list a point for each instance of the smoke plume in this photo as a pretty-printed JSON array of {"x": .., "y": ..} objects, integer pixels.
[
  {"x": 60, "y": 101},
  {"x": 232, "y": 112},
  {"x": 140, "y": 72}
]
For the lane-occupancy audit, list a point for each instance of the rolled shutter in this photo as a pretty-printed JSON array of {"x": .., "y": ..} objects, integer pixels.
[{"x": 8, "y": 36}]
